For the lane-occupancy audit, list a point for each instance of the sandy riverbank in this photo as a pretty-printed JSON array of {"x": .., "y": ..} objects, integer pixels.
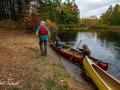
[{"x": 21, "y": 64}]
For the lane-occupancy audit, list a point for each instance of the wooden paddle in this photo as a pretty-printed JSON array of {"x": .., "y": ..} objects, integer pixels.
[{"x": 76, "y": 49}]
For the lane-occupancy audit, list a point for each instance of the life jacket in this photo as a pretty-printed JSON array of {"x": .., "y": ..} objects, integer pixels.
[
  {"x": 43, "y": 30},
  {"x": 58, "y": 42}
]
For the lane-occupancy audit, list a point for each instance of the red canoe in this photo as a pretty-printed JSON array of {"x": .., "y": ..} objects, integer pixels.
[{"x": 78, "y": 56}]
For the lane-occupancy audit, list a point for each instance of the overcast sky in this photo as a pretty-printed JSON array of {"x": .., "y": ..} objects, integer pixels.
[{"x": 94, "y": 7}]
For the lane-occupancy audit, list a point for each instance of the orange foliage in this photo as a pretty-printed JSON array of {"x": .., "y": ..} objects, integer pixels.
[
  {"x": 90, "y": 21},
  {"x": 53, "y": 27}
]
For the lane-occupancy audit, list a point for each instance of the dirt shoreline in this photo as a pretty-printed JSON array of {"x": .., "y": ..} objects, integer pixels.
[{"x": 21, "y": 64}]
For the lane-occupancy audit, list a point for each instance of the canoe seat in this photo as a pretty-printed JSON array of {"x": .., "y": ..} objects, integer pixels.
[{"x": 66, "y": 49}]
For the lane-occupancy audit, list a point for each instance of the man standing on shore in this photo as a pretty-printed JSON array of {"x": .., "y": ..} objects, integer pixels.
[{"x": 44, "y": 33}]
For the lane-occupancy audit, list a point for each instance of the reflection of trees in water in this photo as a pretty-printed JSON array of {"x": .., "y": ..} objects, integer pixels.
[
  {"x": 68, "y": 35},
  {"x": 104, "y": 36},
  {"x": 109, "y": 36},
  {"x": 90, "y": 35}
]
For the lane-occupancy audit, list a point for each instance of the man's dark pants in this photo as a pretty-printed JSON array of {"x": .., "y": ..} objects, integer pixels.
[{"x": 43, "y": 46}]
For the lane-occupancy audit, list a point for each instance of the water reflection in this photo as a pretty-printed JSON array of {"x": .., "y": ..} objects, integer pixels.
[
  {"x": 109, "y": 36},
  {"x": 105, "y": 46},
  {"x": 112, "y": 38},
  {"x": 68, "y": 35}
]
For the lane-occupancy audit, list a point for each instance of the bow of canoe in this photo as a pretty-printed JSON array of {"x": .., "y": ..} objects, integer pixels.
[{"x": 102, "y": 79}]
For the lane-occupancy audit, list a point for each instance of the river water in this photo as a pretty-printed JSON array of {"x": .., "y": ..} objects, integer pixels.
[{"x": 104, "y": 45}]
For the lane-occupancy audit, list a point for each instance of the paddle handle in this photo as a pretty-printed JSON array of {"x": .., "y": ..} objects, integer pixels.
[
  {"x": 76, "y": 49},
  {"x": 78, "y": 44}
]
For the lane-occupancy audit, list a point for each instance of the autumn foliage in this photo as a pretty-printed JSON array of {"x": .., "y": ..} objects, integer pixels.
[
  {"x": 31, "y": 22},
  {"x": 53, "y": 27}
]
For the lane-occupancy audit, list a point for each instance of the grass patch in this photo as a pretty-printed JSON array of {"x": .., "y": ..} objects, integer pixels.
[
  {"x": 59, "y": 81},
  {"x": 36, "y": 69},
  {"x": 28, "y": 85},
  {"x": 16, "y": 88},
  {"x": 58, "y": 71},
  {"x": 45, "y": 62},
  {"x": 50, "y": 84},
  {"x": 36, "y": 50},
  {"x": 32, "y": 57},
  {"x": 37, "y": 57},
  {"x": 54, "y": 85},
  {"x": 62, "y": 86}
]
